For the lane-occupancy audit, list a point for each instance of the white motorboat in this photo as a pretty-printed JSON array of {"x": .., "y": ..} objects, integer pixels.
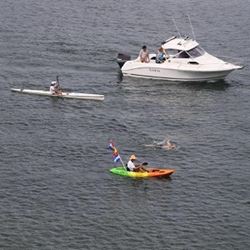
[
  {"x": 187, "y": 62},
  {"x": 71, "y": 95}
]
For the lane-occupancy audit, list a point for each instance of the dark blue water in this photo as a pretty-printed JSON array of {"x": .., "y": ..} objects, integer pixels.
[{"x": 56, "y": 191}]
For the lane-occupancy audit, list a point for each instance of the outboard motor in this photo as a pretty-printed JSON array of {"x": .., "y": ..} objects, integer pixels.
[{"x": 122, "y": 58}]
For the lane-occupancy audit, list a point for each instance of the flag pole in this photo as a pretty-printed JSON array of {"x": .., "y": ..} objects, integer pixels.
[{"x": 122, "y": 163}]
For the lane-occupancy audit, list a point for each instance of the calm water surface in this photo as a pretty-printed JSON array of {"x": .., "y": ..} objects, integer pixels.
[{"x": 56, "y": 191}]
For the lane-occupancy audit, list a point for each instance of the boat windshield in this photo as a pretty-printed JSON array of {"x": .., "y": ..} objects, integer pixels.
[
  {"x": 183, "y": 54},
  {"x": 196, "y": 52},
  {"x": 178, "y": 53},
  {"x": 173, "y": 52}
]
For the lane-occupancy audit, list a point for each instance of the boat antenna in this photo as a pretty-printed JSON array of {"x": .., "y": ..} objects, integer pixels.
[
  {"x": 191, "y": 27},
  {"x": 176, "y": 27}
]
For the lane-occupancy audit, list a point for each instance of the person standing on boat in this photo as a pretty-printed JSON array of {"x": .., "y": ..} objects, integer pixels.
[
  {"x": 131, "y": 166},
  {"x": 144, "y": 55}
]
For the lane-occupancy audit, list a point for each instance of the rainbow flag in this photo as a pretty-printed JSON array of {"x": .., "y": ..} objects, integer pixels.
[{"x": 116, "y": 156}]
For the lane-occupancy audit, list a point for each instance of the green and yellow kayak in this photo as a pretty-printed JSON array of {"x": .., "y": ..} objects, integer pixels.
[{"x": 152, "y": 172}]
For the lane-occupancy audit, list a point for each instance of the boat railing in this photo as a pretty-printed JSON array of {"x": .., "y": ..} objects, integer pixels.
[{"x": 233, "y": 60}]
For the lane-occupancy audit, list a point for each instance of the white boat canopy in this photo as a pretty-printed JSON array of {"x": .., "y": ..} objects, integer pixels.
[{"x": 180, "y": 44}]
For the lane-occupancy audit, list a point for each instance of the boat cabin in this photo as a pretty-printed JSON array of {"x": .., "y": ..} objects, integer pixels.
[{"x": 182, "y": 48}]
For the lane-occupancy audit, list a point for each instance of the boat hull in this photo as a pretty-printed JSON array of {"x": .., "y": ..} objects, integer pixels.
[
  {"x": 70, "y": 95},
  {"x": 152, "y": 172},
  {"x": 184, "y": 76},
  {"x": 173, "y": 72}
]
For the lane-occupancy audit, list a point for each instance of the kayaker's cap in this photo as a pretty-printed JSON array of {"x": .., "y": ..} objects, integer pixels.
[
  {"x": 53, "y": 83},
  {"x": 132, "y": 157}
]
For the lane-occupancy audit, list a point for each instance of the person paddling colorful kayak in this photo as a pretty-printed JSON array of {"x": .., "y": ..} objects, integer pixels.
[
  {"x": 132, "y": 169},
  {"x": 132, "y": 166}
]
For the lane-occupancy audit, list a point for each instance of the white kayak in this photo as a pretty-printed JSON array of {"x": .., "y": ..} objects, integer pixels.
[{"x": 72, "y": 95}]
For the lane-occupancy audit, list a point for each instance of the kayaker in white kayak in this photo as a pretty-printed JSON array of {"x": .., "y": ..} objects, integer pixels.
[
  {"x": 52, "y": 88},
  {"x": 55, "y": 87},
  {"x": 131, "y": 166}
]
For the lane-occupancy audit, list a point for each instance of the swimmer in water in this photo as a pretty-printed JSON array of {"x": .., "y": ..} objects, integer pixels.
[
  {"x": 165, "y": 144},
  {"x": 168, "y": 145}
]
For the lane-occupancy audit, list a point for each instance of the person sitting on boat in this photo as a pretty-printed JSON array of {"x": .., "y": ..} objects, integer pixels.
[
  {"x": 52, "y": 88},
  {"x": 162, "y": 55},
  {"x": 131, "y": 166},
  {"x": 144, "y": 55},
  {"x": 55, "y": 88}
]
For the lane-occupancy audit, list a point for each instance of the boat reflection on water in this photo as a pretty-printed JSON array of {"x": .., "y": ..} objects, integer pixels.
[{"x": 207, "y": 85}]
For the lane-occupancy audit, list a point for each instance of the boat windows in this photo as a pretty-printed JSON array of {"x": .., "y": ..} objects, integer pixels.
[
  {"x": 183, "y": 54},
  {"x": 195, "y": 52},
  {"x": 193, "y": 62},
  {"x": 173, "y": 52}
]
